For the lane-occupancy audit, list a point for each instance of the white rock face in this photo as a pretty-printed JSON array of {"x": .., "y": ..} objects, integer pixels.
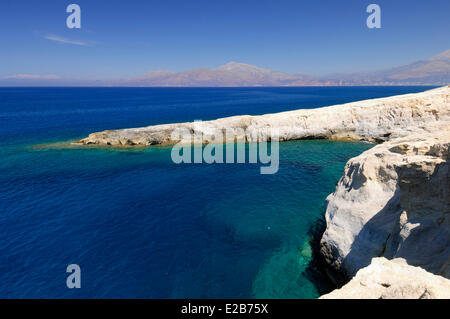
[
  {"x": 393, "y": 279},
  {"x": 370, "y": 120},
  {"x": 393, "y": 200}
]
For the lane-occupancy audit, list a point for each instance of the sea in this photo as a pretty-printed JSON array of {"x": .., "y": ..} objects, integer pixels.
[{"x": 140, "y": 226}]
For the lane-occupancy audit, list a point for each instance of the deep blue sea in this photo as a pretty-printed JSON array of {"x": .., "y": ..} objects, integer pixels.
[{"x": 140, "y": 226}]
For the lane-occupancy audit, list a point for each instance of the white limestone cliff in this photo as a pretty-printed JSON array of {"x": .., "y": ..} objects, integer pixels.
[{"x": 393, "y": 201}]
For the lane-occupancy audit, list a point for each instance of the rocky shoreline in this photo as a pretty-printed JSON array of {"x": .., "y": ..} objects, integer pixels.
[{"x": 392, "y": 201}]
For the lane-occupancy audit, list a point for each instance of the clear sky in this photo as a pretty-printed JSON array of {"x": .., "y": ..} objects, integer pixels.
[{"x": 126, "y": 38}]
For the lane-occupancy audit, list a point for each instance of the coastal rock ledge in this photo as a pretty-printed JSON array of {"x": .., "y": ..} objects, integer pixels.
[
  {"x": 392, "y": 279},
  {"x": 374, "y": 120}
]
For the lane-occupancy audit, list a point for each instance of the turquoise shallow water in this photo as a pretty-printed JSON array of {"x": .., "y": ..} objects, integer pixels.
[{"x": 141, "y": 226}]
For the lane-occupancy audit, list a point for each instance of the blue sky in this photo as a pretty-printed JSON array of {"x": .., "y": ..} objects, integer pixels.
[{"x": 121, "y": 39}]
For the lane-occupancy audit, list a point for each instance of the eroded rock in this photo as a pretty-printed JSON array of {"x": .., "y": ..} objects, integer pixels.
[{"x": 392, "y": 201}]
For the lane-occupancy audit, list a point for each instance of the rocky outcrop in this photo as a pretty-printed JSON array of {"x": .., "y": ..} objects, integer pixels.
[
  {"x": 374, "y": 120},
  {"x": 393, "y": 201},
  {"x": 392, "y": 279}
]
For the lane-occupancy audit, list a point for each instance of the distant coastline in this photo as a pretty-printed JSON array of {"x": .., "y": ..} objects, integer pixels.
[{"x": 433, "y": 71}]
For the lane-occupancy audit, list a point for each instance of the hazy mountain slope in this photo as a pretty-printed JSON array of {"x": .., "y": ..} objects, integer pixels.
[
  {"x": 230, "y": 74},
  {"x": 435, "y": 70}
]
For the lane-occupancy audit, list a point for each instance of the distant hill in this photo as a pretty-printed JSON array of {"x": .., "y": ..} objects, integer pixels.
[
  {"x": 230, "y": 74},
  {"x": 435, "y": 70}
]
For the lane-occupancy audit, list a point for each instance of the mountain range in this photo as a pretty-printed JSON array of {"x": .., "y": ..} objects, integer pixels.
[{"x": 432, "y": 71}]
